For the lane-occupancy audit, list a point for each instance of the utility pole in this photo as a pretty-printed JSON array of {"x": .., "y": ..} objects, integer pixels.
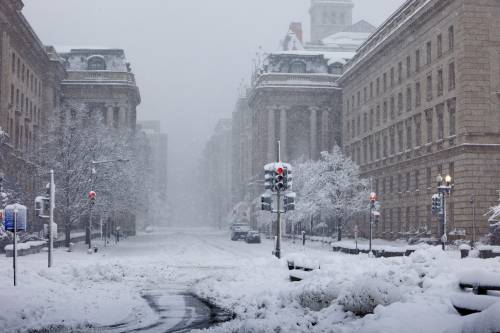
[
  {"x": 373, "y": 199},
  {"x": 51, "y": 216}
]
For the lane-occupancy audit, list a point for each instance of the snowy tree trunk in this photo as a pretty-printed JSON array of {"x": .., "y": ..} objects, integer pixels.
[{"x": 339, "y": 229}]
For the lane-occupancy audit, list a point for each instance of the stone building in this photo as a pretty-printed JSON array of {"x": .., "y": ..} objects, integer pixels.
[
  {"x": 30, "y": 76},
  {"x": 422, "y": 98},
  {"x": 295, "y": 97},
  {"x": 215, "y": 174},
  {"x": 158, "y": 142},
  {"x": 102, "y": 80}
]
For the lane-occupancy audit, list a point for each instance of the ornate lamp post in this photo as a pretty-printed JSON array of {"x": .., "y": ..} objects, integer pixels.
[{"x": 444, "y": 189}]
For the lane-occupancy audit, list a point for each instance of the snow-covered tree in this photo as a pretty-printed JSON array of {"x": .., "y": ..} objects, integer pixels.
[
  {"x": 74, "y": 139},
  {"x": 331, "y": 187}
]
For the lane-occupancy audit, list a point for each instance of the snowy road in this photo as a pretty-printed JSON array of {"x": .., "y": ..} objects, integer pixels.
[
  {"x": 155, "y": 283},
  {"x": 143, "y": 284}
]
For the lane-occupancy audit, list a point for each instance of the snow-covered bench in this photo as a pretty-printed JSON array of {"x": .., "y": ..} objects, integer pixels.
[
  {"x": 299, "y": 266},
  {"x": 24, "y": 249},
  {"x": 480, "y": 284}
]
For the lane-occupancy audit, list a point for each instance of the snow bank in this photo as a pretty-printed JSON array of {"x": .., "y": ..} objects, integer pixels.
[{"x": 487, "y": 321}]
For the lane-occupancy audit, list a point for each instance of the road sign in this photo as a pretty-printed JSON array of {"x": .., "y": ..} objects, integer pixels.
[{"x": 15, "y": 214}]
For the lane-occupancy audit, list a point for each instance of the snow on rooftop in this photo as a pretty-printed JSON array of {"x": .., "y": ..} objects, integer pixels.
[
  {"x": 69, "y": 48},
  {"x": 331, "y": 57},
  {"x": 346, "y": 38}
]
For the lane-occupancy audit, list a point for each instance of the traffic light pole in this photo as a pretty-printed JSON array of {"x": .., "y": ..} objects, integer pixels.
[
  {"x": 371, "y": 226},
  {"x": 277, "y": 251}
]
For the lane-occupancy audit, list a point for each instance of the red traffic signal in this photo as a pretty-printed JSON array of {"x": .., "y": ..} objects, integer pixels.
[
  {"x": 279, "y": 170},
  {"x": 92, "y": 195},
  {"x": 373, "y": 197}
]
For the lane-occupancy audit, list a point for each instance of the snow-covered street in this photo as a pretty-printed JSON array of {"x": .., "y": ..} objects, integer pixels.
[{"x": 147, "y": 284}]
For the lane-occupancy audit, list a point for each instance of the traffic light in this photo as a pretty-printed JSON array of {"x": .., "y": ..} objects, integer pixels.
[
  {"x": 92, "y": 196},
  {"x": 436, "y": 204},
  {"x": 266, "y": 202},
  {"x": 289, "y": 201},
  {"x": 279, "y": 178},
  {"x": 269, "y": 179},
  {"x": 288, "y": 181}
]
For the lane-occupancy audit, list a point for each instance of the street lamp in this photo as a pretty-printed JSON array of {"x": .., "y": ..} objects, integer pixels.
[{"x": 444, "y": 189}]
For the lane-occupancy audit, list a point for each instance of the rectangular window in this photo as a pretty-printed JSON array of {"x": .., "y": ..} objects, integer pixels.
[
  {"x": 408, "y": 99},
  {"x": 358, "y": 97},
  {"x": 429, "y": 53},
  {"x": 393, "y": 107},
  {"x": 451, "y": 170},
  {"x": 418, "y": 133},
  {"x": 12, "y": 92},
  {"x": 17, "y": 98},
  {"x": 429, "y": 87},
  {"x": 417, "y": 61},
  {"x": 400, "y": 72},
  {"x": 400, "y": 183},
  {"x": 392, "y": 77},
  {"x": 22, "y": 74},
  {"x": 377, "y": 116},
  {"x": 384, "y": 111},
  {"x": 384, "y": 146},
  {"x": 378, "y": 86},
  {"x": 408, "y": 181},
  {"x": 391, "y": 184},
  {"x": 401, "y": 138},
  {"x": 409, "y": 136},
  {"x": 365, "y": 94},
  {"x": 451, "y": 38},
  {"x": 418, "y": 95},
  {"x": 408, "y": 66},
  {"x": 385, "y": 82},
  {"x": 440, "y": 83},
  {"x": 371, "y": 89},
  {"x": 22, "y": 102},
  {"x": 18, "y": 68},
  {"x": 428, "y": 118},
  {"x": 400, "y": 103},
  {"x": 116, "y": 116},
  {"x": 451, "y": 76},
  {"x": 440, "y": 121},
  {"x": 365, "y": 122},
  {"x": 440, "y": 46},
  {"x": 371, "y": 119},
  {"x": 13, "y": 62},
  {"x": 452, "y": 116}
]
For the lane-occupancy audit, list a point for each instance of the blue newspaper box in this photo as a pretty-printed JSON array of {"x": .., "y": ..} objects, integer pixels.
[{"x": 21, "y": 219}]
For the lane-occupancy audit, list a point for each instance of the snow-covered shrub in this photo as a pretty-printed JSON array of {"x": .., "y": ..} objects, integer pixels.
[
  {"x": 371, "y": 290},
  {"x": 317, "y": 296}
]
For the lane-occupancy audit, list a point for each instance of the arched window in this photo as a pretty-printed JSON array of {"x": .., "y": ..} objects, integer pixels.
[
  {"x": 298, "y": 67},
  {"x": 96, "y": 63}
]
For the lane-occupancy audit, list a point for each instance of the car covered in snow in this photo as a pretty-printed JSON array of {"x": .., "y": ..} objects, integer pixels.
[
  {"x": 239, "y": 231},
  {"x": 253, "y": 236}
]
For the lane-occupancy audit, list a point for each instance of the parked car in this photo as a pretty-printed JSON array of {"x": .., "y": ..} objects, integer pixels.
[
  {"x": 253, "y": 236},
  {"x": 239, "y": 231}
]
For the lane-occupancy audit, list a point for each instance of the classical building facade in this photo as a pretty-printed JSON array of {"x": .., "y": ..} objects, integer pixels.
[
  {"x": 103, "y": 82},
  {"x": 422, "y": 98},
  {"x": 30, "y": 76}
]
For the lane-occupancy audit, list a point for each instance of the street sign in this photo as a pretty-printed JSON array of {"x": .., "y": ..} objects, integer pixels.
[{"x": 15, "y": 214}]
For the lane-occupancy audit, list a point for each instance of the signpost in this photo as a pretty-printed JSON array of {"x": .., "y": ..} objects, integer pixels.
[{"x": 15, "y": 220}]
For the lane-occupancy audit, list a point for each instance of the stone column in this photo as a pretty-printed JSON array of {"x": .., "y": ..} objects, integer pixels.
[
  {"x": 313, "y": 140},
  {"x": 326, "y": 136},
  {"x": 271, "y": 135},
  {"x": 123, "y": 116},
  {"x": 110, "y": 116},
  {"x": 283, "y": 132}
]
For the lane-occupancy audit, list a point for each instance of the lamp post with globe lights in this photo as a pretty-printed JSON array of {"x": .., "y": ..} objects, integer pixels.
[{"x": 444, "y": 189}]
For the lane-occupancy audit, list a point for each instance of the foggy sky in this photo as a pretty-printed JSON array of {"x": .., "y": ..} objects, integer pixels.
[{"x": 189, "y": 56}]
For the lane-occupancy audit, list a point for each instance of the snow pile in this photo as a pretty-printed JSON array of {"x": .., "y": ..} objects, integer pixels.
[
  {"x": 348, "y": 293},
  {"x": 487, "y": 321}
]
